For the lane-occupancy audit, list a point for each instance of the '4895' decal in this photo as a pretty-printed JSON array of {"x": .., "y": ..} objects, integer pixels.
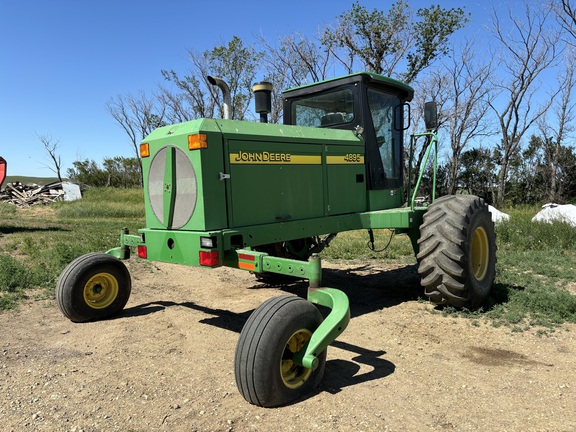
[
  {"x": 350, "y": 158},
  {"x": 353, "y": 158}
]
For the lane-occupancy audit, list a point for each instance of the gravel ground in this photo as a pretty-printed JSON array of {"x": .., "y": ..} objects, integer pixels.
[{"x": 166, "y": 363}]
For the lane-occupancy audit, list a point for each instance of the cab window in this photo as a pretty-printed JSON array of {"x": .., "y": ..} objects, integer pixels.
[{"x": 325, "y": 110}]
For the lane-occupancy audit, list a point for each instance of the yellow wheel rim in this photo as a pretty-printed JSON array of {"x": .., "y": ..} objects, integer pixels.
[
  {"x": 480, "y": 253},
  {"x": 101, "y": 290},
  {"x": 294, "y": 375}
]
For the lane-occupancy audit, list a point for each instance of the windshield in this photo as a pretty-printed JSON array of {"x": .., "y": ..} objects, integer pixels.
[{"x": 324, "y": 110}]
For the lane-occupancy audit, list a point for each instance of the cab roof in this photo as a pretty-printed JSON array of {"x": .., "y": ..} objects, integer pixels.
[{"x": 405, "y": 89}]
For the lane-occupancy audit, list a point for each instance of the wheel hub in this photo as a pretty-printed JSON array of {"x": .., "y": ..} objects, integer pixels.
[
  {"x": 101, "y": 290},
  {"x": 295, "y": 375},
  {"x": 480, "y": 253}
]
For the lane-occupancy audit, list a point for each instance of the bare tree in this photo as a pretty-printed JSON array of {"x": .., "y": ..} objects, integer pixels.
[
  {"x": 138, "y": 116},
  {"x": 465, "y": 113},
  {"x": 564, "y": 110},
  {"x": 566, "y": 14},
  {"x": 176, "y": 103},
  {"x": 51, "y": 146},
  {"x": 529, "y": 48},
  {"x": 294, "y": 61},
  {"x": 432, "y": 87}
]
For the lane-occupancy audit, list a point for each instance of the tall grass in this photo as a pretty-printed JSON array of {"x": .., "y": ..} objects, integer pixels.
[
  {"x": 520, "y": 233},
  {"x": 104, "y": 203}
]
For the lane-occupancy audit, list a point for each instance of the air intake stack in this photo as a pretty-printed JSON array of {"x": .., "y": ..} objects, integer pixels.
[{"x": 263, "y": 99}]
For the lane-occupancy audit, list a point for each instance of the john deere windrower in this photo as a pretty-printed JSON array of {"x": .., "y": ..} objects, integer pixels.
[{"x": 268, "y": 198}]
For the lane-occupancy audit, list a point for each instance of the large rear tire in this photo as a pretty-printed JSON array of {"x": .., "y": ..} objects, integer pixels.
[
  {"x": 457, "y": 251},
  {"x": 274, "y": 333},
  {"x": 92, "y": 287}
]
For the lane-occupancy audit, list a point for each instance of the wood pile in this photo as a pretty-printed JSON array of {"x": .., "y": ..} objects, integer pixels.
[{"x": 31, "y": 194}]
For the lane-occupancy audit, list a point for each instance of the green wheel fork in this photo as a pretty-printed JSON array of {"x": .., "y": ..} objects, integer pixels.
[{"x": 332, "y": 326}]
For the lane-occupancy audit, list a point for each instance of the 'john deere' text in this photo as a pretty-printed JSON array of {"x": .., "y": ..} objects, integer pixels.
[{"x": 261, "y": 157}]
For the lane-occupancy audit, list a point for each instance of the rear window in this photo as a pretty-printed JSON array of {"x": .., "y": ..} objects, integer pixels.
[{"x": 324, "y": 110}]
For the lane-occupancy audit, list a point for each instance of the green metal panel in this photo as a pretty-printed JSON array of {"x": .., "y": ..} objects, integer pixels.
[
  {"x": 276, "y": 190},
  {"x": 286, "y": 134},
  {"x": 402, "y": 219},
  {"x": 345, "y": 179},
  {"x": 257, "y": 184},
  {"x": 281, "y": 173},
  {"x": 270, "y": 182},
  {"x": 384, "y": 199}
]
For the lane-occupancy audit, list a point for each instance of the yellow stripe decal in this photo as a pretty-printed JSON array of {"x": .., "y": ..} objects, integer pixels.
[
  {"x": 269, "y": 158},
  {"x": 351, "y": 158}
]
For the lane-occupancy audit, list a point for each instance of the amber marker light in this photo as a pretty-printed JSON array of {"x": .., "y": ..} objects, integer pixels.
[
  {"x": 197, "y": 141},
  {"x": 144, "y": 150}
]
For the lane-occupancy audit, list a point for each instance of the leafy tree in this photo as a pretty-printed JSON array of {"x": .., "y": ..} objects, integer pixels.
[
  {"x": 384, "y": 42},
  {"x": 122, "y": 171},
  {"x": 568, "y": 184},
  {"x": 533, "y": 171},
  {"x": 87, "y": 172},
  {"x": 528, "y": 173},
  {"x": 235, "y": 63},
  {"x": 476, "y": 173},
  {"x": 116, "y": 172}
]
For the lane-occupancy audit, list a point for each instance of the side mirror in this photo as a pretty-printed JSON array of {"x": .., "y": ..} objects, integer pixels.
[{"x": 431, "y": 115}]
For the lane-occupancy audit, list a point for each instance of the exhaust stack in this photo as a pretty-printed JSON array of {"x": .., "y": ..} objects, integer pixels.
[{"x": 219, "y": 82}]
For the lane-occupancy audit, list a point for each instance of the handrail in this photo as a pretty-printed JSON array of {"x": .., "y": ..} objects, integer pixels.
[{"x": 432, "y": 141}]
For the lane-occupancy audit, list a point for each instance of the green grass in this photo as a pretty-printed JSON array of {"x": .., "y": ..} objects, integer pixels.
[
  {"x": 28, "y": 180},
  {"x": 536, "y": 262},
  {"x": 353, "y": 245},
  {"x": 37, "y": 243}
]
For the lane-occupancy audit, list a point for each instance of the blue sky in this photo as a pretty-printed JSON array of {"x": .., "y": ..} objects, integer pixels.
[{"x": 62, "y": 60}]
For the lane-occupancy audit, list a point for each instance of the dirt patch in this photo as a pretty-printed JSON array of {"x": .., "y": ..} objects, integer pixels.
[
  {"x": 571, "y": 287},
  {"x": 166, "y": 363}
]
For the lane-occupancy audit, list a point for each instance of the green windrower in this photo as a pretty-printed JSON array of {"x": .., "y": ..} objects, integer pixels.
[{"x": 268, "y": 198}]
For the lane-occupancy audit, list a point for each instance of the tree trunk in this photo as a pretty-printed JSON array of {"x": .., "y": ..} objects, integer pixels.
[
  {"x": 501, "y": 190},
  {"x": 453, "y": 177}
]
